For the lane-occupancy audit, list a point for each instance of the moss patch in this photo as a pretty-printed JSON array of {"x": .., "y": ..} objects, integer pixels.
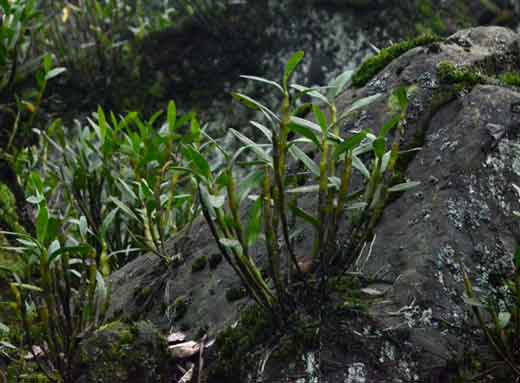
[
  {"x": 511, "y": 78},
  {"x": 199, "y": 264},
  {"x": 376, "y": 64},
  {"x": 181, "y": 308},
  {"x": 120, "y": 352},
  {"x": 233, "y": 344},
  {"x": 448, "y": 73}
]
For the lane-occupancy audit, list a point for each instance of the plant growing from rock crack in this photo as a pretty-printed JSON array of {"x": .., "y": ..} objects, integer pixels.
[{"x": 223, "y": 197}]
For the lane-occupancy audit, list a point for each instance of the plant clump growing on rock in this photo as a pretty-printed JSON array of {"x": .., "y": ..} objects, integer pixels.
[
  {"x": 276, "y": 208},
  {"x": 372, "y": 66}
]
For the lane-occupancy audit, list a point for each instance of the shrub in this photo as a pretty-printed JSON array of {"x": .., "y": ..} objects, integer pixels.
[{"x": 121, "y": 175}]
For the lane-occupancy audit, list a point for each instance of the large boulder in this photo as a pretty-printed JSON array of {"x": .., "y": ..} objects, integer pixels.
[{"x": 460, "y": 217}]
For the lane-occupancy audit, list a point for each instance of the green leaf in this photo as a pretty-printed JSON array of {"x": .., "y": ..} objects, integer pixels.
[
  {"x": 503, "y": 319},
  {"x": 404, "y": 186},
  {"x": 83, "y": 226},
  {"x": 254, "y": 146},
  {"x": 389, "y": 125},
  {"x": 107, "y": 221},
  {"x": 313, "y": 92},
  {"x": 41, "y": 223},
  {"x": 264, "y": 80},
  {"x": 253, "y": 104},
  {"x": 26, "y": 286},
  {"x": 254, "y": 226},
  {"x": 247, "y": 184},
  {"x": 338, "y": 84},
  {"x": 172, "y": 117},
  {"x": 305, "y": 132},
  {"x": 54, "y": 72},
  {"x": 216, "y": 201},
  {"x": 35, "y": 199},
  {"x": 359, "y": 165},
  {"x": 357, "y": 206},
  {"x": 361, "y": 104},
  {"x": 267, "y": 133},
  {"x": 200, "y": 165},
  {"x": 291, "y": 66},
  {"x": 305, "y": 216},
  {"x": 195, "y": 128},
  {"x": 313, "y": 127},
  {"x": 402, "y": 97},
  {"x": 320, "y": 117},
  {"x": 300, "y": 155},
  {"x": 349, "y": 144},
  {"x": 379, "y": 147},
  {"x": 121, "y": 205},
  {"x": 306, "y": 189}
]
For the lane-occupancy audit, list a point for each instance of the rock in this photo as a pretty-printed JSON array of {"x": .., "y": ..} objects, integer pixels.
[
  {"x": 185, "y": 350},
  {"x": 460, "y": 217},
  {"x": 147, "y": 288},
  {"x": 123, "y": 353}
]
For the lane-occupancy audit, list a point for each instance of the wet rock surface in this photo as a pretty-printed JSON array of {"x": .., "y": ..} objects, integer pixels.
[{"x": 459, "y": 218}]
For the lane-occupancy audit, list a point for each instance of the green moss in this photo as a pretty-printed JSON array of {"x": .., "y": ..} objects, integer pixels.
[
  {"x": 374, "y": 65},
  {"x": 448, "y": 73},
  {"x": 233, "y": 344},
  {"x": 119, "y": 352},
  {"x": 235, "y": 293},
  {"x": 181, "y": 308},
  {"x": 511, "y": 78},
  {"x": 199, "y": 264}
]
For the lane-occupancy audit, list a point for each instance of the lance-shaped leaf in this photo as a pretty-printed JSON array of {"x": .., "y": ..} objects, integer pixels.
[
  {"x": 312, "y": 92},
  {"x": 254, "y": 226},
  {"x": 199, "y": 164},
  {"x": 361, "y": 103},
  {"x": 337, "y": 85},
  {"x": 253, "y": 145},
  {"x": 172, "y": 117},
  {"x": 359, "y": 165},
  {"x": 307, "y": 217},
  {"x": 404, "y": 186},
  {"x": 313, "y": 127},
  {"x": 349, "y": 144},
  {"x": 265, "y": 81},
  {"x": 291, "y": 66},
  {"x": 255, "y": 105},
  {"x": 300, "y": 155}
]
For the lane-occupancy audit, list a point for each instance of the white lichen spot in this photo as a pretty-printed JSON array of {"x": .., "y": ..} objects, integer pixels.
[{"x": 357, "y": 373}]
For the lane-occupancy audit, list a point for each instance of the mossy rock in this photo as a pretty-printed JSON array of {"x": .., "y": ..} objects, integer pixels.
[
  {"x": 124, "y": 353},
  {"x": 377, "y": 63}
]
